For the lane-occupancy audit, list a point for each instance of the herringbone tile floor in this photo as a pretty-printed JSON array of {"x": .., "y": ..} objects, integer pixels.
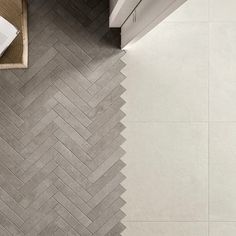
[{"x": 60, "y": 126}]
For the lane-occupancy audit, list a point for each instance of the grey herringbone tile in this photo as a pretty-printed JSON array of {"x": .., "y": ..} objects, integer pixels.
[
  {"x": 72, "y": 108},
  {"x": 72, "y": 121},
  {"x": 106, "y": 202},
  {"x": 38, "y": 65},
  {"x": 72, "y": 158},
  {"x": 73, "y": 197},
  {"x": 60, "y": 126},
  {"x": 108, "y": 226},
  {"x": 116, "y": 230},
  {"x": 73, "y": 172},
  {"x": 72, "y": 96}
]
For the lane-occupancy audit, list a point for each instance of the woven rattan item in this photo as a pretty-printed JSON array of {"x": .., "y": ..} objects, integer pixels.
[{"x": 16, "y": 56}]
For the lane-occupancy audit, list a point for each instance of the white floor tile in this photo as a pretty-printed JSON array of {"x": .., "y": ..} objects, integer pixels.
[
  {"x": 166, "y": 172},
  {"x": 222, "y": 10},
  {"x": 165, "y": 229},
  {"x": 167, "y": 74},
  {"x": 223, "y": 172},
  {"x": 223, "y": 229},
  {"x": 222, "y": 72},
  {"x": 191, "y": 10}
]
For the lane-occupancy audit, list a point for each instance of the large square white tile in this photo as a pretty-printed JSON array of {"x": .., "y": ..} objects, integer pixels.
[
  {"x": 222, "y": 10},
  {"x": 167, "y": 74},
  {"x": 222, "y": 72},
  {"x": 191, "y": 10},
  {"x": 165, "y": 229},
  {"x": 223, "y": 171},
  {"x": 223, "y": 229},
  {"x": 166, "y": 172}
]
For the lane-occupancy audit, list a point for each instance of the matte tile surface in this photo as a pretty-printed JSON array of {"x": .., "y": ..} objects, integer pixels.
[
  {"x": 172, "y": 79},
  {"x": 60, "y": 125},
  {"x": 175, "y": 163},
  {"x": 222, "y": 10},
  {"x": 222, "y": 71},
  {"x": 222, "y": 228},
  {"x": 191, "y": 10},
  {"x": 222, "y": 171},
  {"x": 181, "y": 124},
  {"x": 165, "y": 229}
]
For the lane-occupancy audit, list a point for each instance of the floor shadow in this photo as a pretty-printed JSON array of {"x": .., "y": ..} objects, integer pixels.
[{"x": 93, "y": 15}]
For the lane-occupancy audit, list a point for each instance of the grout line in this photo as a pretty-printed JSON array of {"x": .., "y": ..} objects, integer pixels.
[
  {"x": 185, "y": 21},
  {"x": 208, "y": 225},
  {"x": 203, "y": 122},
  {"x": 182, "y": 122},
  {"x": 176, "y": 221},
  {"x": 203, "y": 21},
  {"x": 166, "y": 221}
]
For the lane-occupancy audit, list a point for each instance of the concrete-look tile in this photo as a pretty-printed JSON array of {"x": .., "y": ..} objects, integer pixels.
[
  {"x": 107, "y": 201},
  {"x": 70, "y": 157},
  {"x": 191, "y": 10},
  {"x": 83, "y": 219},
  {"x": 106, "y": 190},
  {"x": 72, "y": 133},
  {"x": 72, "y": 96},
  {"x": 106, "y": 215},
  {"x": 75, "y": 111},
  {"x": 72, "y": 196},
  {"x": 116, "y": 230},
  {"x": 9, "y": 114},
  {"x": 222, "y": 10},
  {"x": 72, "y": 121},
  {"x": 165, "y": 229},
  {"x": 167, "y": 81},
  {"x": 46, "y": 58},
  {"x": 60, "y": 125},
  {"x": 222, "y": 171},
  {"x": 108, "y": 176},
  {"x": 222, "y": 72},
  {"x": 67, "y": 179},
  {"x": 106, "y": 165},
  {"x": 167, "y": 168},
  {"x": 65, "y": 227},
  {"x": 10, "y": 227},
  {"x": 222, "y": 228},
  {"x": 109, "y": 225},
  {"x": 81, "y": 230},
  {"x": 72, "y": 172}
]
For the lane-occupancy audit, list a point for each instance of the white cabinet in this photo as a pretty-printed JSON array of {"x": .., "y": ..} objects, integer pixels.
[
  {"x": 120, "y": 11},
  {"x": 146, "y": 16}
]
